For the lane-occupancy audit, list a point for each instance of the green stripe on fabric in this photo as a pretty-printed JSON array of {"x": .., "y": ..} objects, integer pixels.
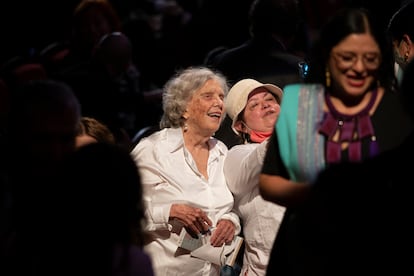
[{"x": 286, "y": 134}]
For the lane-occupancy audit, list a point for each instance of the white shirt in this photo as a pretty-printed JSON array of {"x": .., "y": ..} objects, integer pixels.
[
  {"x": 169, "y": 175},
  {"x": 260, "y": 219}
]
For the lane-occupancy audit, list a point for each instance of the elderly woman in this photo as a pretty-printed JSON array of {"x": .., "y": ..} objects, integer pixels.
[
  {"x": 253, "y": 108},
  {"x": 182, "y": 173}
]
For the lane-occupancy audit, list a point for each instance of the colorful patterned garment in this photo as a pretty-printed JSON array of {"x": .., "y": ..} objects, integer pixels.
[{"x": 302, "y": 147}]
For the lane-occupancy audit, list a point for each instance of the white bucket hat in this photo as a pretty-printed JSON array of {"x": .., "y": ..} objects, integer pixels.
[{"x": 238, "y": 95}]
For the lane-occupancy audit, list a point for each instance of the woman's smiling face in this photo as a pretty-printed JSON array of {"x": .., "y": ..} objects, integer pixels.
[
  {"x": 206, "y": 109},
  {"x": 261, "y": 111},
  {"x": 353, "y": 64}
]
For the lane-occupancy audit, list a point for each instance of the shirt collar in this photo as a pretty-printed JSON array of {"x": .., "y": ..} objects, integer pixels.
[{"x": 176, "y": 141}]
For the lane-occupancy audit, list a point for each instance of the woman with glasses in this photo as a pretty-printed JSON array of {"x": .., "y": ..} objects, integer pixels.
[{"x": 347, "y": 111}]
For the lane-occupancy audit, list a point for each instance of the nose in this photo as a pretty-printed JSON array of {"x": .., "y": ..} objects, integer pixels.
[
  {"x": 266, "y": 104},
  {"x": 359, "y": 65},
  {"x": 219, "y": 101}
]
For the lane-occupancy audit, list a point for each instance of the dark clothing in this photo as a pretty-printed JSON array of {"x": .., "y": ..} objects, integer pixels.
[{"x": 358, "y": 226}]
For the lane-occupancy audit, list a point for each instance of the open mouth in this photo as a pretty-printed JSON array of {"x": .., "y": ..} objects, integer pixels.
[{"x": 214, "y": 114}]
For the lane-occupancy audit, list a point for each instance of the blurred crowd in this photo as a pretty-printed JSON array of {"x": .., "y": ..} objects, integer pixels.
[{"x": 76, "y": 41}]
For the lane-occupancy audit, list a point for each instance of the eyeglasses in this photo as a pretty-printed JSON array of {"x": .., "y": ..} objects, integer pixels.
[{"x": 347, "y": 60}]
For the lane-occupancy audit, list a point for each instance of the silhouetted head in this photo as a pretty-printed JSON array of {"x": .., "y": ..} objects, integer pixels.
[
  {"x": 114, "y": 52},
  {"x": 401, "y": 29},
  {"x": 91, "y": 20},
  {"x": 43, "y": 122}
]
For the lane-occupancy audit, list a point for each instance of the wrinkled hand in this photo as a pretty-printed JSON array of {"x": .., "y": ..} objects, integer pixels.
[
  {"x": 194, "y": 219},
  {"x": 224, "y": 233}
]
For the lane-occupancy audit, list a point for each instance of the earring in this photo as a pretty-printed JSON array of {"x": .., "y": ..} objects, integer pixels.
[
  {"x": 328, "y": 78},
  {"x": 184, "y": 121}
]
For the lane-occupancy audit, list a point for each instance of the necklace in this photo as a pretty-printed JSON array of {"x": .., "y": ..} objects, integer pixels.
[{"x": 352, "y": 129}]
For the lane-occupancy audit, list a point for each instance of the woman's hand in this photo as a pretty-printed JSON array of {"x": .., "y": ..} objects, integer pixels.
[
  {"x": 223, "y": 234},
  {"x": 194, "y": 219}
]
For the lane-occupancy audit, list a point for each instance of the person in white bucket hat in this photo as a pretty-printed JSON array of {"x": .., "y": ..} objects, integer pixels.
[
  {"x": 249, "y": 93},
  {"x": 253, "y": 108}
]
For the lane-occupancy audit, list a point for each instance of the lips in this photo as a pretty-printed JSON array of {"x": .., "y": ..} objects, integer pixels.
[
  {"x": 214, "y": 114},
  {"x": 270, "y": 111},
  {"x": 356, "y": 81}
]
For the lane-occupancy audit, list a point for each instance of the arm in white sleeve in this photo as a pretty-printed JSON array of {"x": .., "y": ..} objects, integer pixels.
[
  {"x": 157, "y": 213},
  {"x": 243, "y": 165}
]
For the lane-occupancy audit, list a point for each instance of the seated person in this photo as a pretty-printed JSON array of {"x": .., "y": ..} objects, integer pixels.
[{"x": 91, "y": 130}]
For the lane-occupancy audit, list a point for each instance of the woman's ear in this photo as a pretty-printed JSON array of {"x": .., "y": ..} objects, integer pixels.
[
  {"x": 409, "y": 51},
  {"x": 239, "y": 126},
  {"x": 406, "y": 38}
]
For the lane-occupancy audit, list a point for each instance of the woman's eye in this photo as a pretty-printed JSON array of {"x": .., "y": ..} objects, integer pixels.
[
  {"x": 253, "y": 105},
  {"x": 371, "y": 59},
  {"x": 347, "y": 58}
]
